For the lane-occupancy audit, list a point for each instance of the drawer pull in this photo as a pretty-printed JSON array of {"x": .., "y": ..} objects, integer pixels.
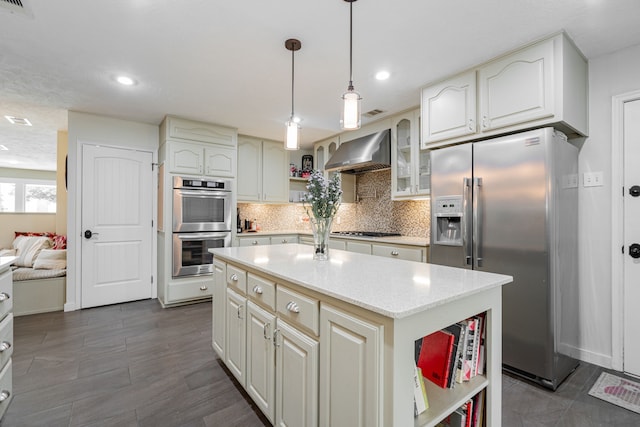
[
  {"x": 4, "y": 395},
  {"x": 240, "y": 312},
  {"x": 285, "y": 241},
  {"x": 4, "y": 346},
  {"x": 203, "y": 288},
  {"x": 275, "y": 338},
  {"x": 255, "y": 242},
  {"x": 394, "y": 253},
  {"x": 4, "y": 296},
  {"x": 293, "y": 307},
  {"x": 257, "y": 290},
  {"x": 234, "y": 277}
]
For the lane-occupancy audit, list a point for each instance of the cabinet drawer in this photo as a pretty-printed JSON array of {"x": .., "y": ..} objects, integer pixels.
[
  {"x": 255, "y": 241},
  {"x": 6, "y": 387},
  {"x": 6, "y": 293},
  {"x": 298, "y": 308},
  {"x": 278, "y": 240},
  {"x": 237, "y": 279},
  {"x": 261, "y": 290},
  {"x": 190, "y": 290},
  {"x": 6, "y": 339},
  {"x": 362, "y": 248},
  {"x": 409, "y": 254}
]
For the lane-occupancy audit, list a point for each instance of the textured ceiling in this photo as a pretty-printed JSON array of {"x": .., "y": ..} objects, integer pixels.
[{"x": 225, "y": 62}]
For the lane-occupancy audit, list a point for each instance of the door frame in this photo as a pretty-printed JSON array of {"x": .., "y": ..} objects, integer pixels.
[
  {"x": 617, "y": 223},
  {"x": 73, "y": 300}
]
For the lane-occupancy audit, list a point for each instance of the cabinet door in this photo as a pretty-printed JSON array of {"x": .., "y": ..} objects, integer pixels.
[
  {"x": 249, "y": 170},
  {"x": 350, "y": 370},
  {"x": 218, "y": 305},
  {"x": 402, "y": 159},
  {"x": 235, "y": 335},
  {"x": 185, "y": 158},
  {"x": 296, "y": 378},
  {"x": 261, "y": 359},
  {"x": 449, "y": 109},
  {"x": 275, "y": 175},
  {"x": 517, "y": 88},
  {"x": 220, "y": 161}
]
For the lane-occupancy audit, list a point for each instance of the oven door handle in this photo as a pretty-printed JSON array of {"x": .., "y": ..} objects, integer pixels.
[
  {"x": 204, "y": 193},
  {"x": 200, "y": 236}
]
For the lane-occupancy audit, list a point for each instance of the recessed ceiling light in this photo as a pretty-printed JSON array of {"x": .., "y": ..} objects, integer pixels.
[
  {"x": 382, "y": 75},
  {"x": 18, "y": 120},
  {"x": 126, "y": 81}
]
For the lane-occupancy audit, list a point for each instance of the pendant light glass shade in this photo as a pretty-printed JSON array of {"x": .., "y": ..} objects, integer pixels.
[
  {"x": 292, "y": 135},
  {"x": 351, "y": 110},
  {"x": 350, "y": 117}
]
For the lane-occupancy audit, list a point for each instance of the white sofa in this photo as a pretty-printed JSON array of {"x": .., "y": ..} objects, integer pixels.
[{"x": 39, "y": 273}]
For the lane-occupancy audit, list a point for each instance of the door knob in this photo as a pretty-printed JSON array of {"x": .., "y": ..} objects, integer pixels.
[
  {"x": 635, "y": 191},
  {"x": 88, "y": 234},
  {"x": 634, "y": 250}
]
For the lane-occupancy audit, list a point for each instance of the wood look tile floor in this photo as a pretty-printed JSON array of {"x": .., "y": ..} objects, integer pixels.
[{"x": 137, "y": 364}]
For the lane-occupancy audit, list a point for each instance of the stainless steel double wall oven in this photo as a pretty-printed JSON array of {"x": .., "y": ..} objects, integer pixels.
[{"x": 202, "y": 220}]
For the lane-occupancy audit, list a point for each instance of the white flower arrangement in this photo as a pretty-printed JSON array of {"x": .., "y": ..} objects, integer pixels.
[{"x": 323, "y": 198}]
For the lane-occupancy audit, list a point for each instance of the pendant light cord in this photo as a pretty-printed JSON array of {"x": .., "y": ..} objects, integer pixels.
[
  {"x": 292, "y": 79},
  {"x": 350, "y": 46}
]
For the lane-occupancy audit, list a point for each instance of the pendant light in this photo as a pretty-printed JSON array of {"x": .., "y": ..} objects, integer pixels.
[
  {"x": 350, "y": 99},
  {"x": 292, "y": 137}
]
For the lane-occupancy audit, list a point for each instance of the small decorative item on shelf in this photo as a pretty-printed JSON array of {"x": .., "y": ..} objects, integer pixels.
[
  {"x": 293, "y": 170},
  {"x": 321, "y": 203}
]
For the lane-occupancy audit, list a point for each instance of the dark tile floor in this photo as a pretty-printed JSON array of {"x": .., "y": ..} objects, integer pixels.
[{"x": 137, "y": 364}]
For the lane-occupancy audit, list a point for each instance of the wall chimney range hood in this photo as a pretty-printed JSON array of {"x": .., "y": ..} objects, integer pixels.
[{"x": 365, "y": 154}]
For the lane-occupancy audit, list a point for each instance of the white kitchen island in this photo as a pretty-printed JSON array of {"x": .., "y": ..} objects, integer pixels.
[{"x": 331, "y": 343}]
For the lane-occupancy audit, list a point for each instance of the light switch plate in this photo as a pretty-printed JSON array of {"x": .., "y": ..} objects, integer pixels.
[{"x": 592, "y": 179}]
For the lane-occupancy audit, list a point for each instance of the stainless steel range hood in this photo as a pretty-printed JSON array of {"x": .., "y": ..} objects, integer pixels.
[{"x": 368, "y": 153}]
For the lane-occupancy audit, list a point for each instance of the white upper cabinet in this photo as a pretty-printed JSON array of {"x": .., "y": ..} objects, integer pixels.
[
  {"x": 196, "y": 148},
  {"x": 263, "y": 172},
  {"x": 449, "y": 108},
  {"x": 410, "y": 165},
  {"x": 517, "y": 88},
  {"x": 542, "y": 84},
  {"x": 323, "y": 151}
]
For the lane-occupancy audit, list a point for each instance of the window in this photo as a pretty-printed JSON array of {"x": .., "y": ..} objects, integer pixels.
[{"x": 26, "y": 195}]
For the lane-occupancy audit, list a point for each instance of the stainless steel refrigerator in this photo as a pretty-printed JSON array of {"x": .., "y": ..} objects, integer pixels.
[{"x": 510, "y": 205}]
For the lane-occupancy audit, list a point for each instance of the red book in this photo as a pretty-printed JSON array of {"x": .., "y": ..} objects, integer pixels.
[{"x": 435, "y": 357}]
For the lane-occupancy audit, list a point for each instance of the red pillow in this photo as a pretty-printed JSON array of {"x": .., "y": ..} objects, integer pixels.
[
  {"x": 35, "y": 233},
  {"x": 59, "y": 241}
]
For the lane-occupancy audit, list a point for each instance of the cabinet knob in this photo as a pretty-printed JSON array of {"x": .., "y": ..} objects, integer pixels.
[
  {"x": 4, "y": 346},
  {"x": 394, "y": 253},
  {"x": 255, "y": 242},
  {"x": 485, "y": 122},
  {"x": 285, "y": 241},
  {"x": 4, "y": 395},
  {"x": 293, "y": 307},
  {"x": 275, "y": 338},
  {"x": 4, "y": 296},
  {"x": 203, "y": 288},
  {"x": 471, "y": 126},
  {"x": 265, "y": 330},
  {"x": 234, "y": 277},
  {"x": 257, "y": 289}
]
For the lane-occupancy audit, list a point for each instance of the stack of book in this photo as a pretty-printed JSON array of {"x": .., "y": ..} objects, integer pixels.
[
  {"x": 454, "y": 354},
  {"x": 470, "y": 414}
]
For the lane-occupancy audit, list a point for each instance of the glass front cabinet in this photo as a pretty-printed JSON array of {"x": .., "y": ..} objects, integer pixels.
[{"x": 410, "y": 166}]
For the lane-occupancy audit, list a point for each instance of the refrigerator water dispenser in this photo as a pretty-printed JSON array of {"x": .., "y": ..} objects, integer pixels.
[{"x": 448, "y": 219}]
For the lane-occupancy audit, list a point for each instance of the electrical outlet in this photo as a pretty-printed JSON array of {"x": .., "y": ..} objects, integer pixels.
[
  {"x": 592, "y": 179},
  {"x": 338, "y": 220}
]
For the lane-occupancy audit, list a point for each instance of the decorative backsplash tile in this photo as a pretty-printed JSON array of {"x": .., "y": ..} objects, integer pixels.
[{"x": 374, "y": 211}]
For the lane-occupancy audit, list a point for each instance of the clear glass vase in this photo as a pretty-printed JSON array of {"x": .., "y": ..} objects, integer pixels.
[{"x": 321, "y": 228}]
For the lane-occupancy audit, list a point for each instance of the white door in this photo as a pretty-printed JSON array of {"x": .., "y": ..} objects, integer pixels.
[
  {"x": 116, "y": 225},
  {"x": 631, "y": 137}
]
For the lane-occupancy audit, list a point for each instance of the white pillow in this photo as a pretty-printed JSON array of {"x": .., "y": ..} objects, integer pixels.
[
  {"x": 51, "y": 259},
  {"x": 28, "y": 248}
]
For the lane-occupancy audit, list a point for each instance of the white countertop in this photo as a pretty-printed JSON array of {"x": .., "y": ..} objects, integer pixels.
[
  {"x": 6, "y": 261},
  {"x": 398, "y": 240},
  {"x": 390, "y": 287}
]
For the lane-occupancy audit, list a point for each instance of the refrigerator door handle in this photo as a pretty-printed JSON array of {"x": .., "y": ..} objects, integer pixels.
[
  {"x": 477, "y": 222},
  {"x": 466, "y": 223}
]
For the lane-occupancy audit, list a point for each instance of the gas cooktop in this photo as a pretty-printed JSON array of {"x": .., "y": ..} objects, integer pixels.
[{"x": 364, "y": 233}]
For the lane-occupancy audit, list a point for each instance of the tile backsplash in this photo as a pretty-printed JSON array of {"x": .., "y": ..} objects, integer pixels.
[{"x": 374, "y": 211}]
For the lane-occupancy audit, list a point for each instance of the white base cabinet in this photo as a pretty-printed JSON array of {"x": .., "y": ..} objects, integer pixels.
[
  {"x": 218, "y": 305},
  {"x": 350, "y": 357},
  {"x": 236, "y": 335},
  {"x": 261, "y": 359}
]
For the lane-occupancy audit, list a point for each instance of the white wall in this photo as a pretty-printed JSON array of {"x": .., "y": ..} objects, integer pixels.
[
  {"x": 93, "y": 129},
  {"x": 609, "y": 75}
]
